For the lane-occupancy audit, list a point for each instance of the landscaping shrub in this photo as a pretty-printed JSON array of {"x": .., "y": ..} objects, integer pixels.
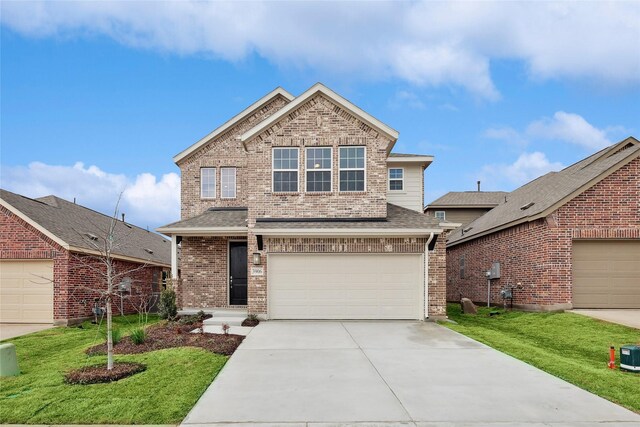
[
  {"x": 116, "y": 335},
  {"x": 138, "y": 336},
  {"x": 167, "y": 308}
]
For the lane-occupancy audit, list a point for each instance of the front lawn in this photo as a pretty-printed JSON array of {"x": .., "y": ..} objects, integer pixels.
[
  {"x": 569, "y": 346},
  {"x": 163, "y": 394}
]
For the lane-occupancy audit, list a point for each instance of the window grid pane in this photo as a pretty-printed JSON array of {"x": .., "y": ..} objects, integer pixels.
[
  {"x": 318, "y": 181},
  {"x": 228, "y": 183},
  {"x": 395, "y": 185},
  {"x": 285, "y": 170},
  {"x": 352, "y": 164},
  {"x": 318, "y": 165},
  {"x": 208, "y": 183}
]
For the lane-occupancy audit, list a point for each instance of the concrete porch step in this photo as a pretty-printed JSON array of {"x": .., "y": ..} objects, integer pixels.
[
  {"x": 229, "y": 320},
  {"x": 234, "y": 330},
  {"x": 230, "y": 313}
]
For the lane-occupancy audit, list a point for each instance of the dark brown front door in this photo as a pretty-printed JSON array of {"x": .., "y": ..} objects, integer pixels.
[{"x": 238, "y": 273}]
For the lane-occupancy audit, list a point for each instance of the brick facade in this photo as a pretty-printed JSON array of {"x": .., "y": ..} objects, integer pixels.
[
  {"x": 73, "y": 281},
  {"x": 319, "y": 122},
  {"x": 537, "y": 255}
]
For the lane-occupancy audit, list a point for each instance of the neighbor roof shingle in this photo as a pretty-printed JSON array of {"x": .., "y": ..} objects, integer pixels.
[
  {"x": 548, "y": 190},
  {"x": 213, "y": 218},
  {"x": 72, "y": 223},
  {"x": 469, "y": 199}
]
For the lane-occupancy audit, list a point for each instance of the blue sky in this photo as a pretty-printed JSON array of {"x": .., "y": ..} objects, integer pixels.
[{"x": 96, "y": 97}]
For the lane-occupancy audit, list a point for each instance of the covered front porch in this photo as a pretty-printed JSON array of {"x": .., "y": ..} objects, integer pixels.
[{"x": 209, "y": 260}]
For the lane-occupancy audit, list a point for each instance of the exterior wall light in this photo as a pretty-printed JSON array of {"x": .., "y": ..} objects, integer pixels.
[{"x": 257, "y": 260}]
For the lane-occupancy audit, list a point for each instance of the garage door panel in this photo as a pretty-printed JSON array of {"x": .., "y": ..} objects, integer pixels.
[
  {"x": 606, "y": 274},
  {"x": 26, "y": 291},
  {"x": 344, "y": 286}
]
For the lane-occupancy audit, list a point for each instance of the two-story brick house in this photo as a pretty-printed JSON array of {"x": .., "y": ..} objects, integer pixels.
[{"x": 297, "y": 209}]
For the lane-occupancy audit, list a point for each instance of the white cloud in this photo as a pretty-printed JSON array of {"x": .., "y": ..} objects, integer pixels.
[
  {"x": 570, "y": 128},
  {"x": 146, "y": 201},
  {"x": 404, "y": 98},
  {"x": 506, "y": 134},
  {"x": 527, "y": 167},
  {"x": 423, "y": 43}
]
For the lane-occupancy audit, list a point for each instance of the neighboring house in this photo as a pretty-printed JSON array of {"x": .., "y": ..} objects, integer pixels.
[
  {"x": 462, "y": 207},
  {"x": 48, "y": 265},
  {"x": 295, "y": 209},
  {"x": 569, "y": 239}
]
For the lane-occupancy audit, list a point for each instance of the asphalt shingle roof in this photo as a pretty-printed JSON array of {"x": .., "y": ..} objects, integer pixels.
[
  {"x": 72, "y": 223},
  {"x": 470, "y": 199},
  {"x": 214, "y": 218},
  {"x": 397, "y": 218},
  {"x": 549, "y": 190}
]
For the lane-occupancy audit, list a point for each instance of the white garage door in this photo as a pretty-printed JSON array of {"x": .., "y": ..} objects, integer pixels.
[
  {"x": 26, "y": 291},
  {"x": 606, "y": 274},
  {"x": 341, "y": 286}
]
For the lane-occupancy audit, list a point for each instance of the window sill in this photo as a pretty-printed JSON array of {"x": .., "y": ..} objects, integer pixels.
[
  {"x": 318, "y": 193},
  {"x": 207, "y": 198},
  {"x": 284, "y": 193},
  {"x": 351, "y": 193},
  {"x": 397, "y": 191}
]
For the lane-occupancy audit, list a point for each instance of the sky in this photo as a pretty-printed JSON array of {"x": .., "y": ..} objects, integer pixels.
[{"x": 96, "y": 97}]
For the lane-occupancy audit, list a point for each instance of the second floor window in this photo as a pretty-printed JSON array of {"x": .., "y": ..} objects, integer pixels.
[
  {"x": 352, "y": 165},
  {"x": 441, "y": 215},
  {"x": 396, "y": 179},
  {"x": 227, "y": 183},
  {"x": 285, "y": 170},
  {"x": 318, "y": 166},
  {"x": 208, "y": 183}
]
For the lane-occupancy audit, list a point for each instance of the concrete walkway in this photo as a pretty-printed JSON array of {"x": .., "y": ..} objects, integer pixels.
[
  {"x": 388, "y": 374},
  {"x": 12, "y": 330},
  {"x": 628, "y": 317}
]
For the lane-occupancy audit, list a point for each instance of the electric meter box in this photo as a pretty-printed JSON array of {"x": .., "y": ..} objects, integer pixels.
[
  {"x": 630, "y": 358},
  {"x": 494, "y": 272}
]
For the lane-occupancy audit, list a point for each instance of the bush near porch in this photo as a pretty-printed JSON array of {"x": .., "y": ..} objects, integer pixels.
[
  {"x": 569, "y": 346},
  {"x": 163, "y": 394}
]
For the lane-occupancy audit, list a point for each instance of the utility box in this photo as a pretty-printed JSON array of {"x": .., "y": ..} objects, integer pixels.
[
  {"x": 494, "y": 272},
  {"x": 630, "y": 358}
]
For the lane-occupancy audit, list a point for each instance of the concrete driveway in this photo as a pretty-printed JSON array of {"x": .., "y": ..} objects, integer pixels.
[
  {"x": 628, "y": 317},
  {"x": 387, "y": 374},
  {"x": 12, "y": 330}
]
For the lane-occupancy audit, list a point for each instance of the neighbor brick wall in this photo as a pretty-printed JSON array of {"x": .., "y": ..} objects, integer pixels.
[
  {"x": 72, "y": 281},
  {"x": 223, "y": 151},
  {"x": 538, "y": 254}
]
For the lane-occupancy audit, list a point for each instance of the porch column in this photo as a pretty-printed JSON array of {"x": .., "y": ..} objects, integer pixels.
[{"x": 174, "y": 256}]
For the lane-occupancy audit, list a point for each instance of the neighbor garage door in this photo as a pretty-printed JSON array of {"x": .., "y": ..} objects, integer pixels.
[
  {"x": 26, "y": 291},
  {"x": 318, "y": 286},
  {"x": 606, "y": 274}
]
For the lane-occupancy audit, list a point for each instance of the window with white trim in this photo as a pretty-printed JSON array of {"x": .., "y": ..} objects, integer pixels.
[
  {"x": 318, "y": 169},
  {"x": 208, "y": 183},
  {"x": 352, "y": 169},
  {"x": 285, "y": 170},
  {"x": 227, "y": 183},
  {"x": 441, "y": 215},
  {"x": 396, "y": 179}
]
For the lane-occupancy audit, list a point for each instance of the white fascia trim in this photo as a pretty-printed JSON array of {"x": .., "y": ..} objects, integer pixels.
[
  {"x": 319, "y": 87},
  {"x": 203, "y": 231},
  {"x": 420, "y": 159},
  {"x": 327, "y": 232},
  {"x": 450, "y": 225},
  {"x": 34, "y": 224},
  {"x": 96, "y": 253},
  {"x": 244, "y": 113}
]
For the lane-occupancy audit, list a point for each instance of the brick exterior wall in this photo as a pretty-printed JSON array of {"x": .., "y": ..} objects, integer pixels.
[
  {"x": 538, "y": 254},
  {"x": 223, "y": 151},
  {"x": 73, "y": 281},
  {"x": 317, "y": 123}
]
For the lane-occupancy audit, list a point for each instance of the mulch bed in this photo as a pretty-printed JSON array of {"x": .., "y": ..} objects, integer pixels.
[
  {"x": 171, "y": 335},
  {"x": 250, "y": 322},
  {"x": 99, "y": 373}
]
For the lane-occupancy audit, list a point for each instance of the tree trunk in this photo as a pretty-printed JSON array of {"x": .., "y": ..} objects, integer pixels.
[{"x": 109, "y": 336}]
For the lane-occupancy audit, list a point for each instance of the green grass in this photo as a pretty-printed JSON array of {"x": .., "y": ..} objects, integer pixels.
[
  {"x": 569, "y": 346},
  {"x": 163, "y": 394}
]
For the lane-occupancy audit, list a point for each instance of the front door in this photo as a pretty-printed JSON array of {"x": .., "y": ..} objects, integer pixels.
[{"x": 238, "y": 273}]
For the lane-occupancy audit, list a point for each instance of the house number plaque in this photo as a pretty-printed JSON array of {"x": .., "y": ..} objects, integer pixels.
[{"x": 257, "y": 271}]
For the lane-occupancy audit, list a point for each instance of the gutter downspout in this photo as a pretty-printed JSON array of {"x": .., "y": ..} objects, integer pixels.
[
  {"x": 426, "y": 276},
  {"x": 174, "y": 256}
]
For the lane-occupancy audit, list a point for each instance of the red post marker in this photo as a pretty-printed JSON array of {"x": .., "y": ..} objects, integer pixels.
[{"x": 612, "y": 358}]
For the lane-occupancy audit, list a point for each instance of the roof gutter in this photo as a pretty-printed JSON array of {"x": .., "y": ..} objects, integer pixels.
[
  {"x": 346, "y": 232},
  {"x": 203, "y": 231}
]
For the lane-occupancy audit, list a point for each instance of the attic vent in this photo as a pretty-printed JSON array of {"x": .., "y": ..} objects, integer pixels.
[
  {"x": 147, "y": 250},
  {"x": 91, "y": 236},
  {"x": 527, "y": 206},
  {"x": 465, "y": 230},
  {"x": 625, "y": 147}
]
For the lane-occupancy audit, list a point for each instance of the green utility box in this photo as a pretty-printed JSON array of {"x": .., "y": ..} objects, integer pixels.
[{"x": 630, "y": 358}]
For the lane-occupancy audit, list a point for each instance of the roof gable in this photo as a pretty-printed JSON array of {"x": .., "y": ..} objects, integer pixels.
[
  {"x": 547, "y": 193},
  {"x": 234, "y": 120},
  {"x": 334, "y": 97}
]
